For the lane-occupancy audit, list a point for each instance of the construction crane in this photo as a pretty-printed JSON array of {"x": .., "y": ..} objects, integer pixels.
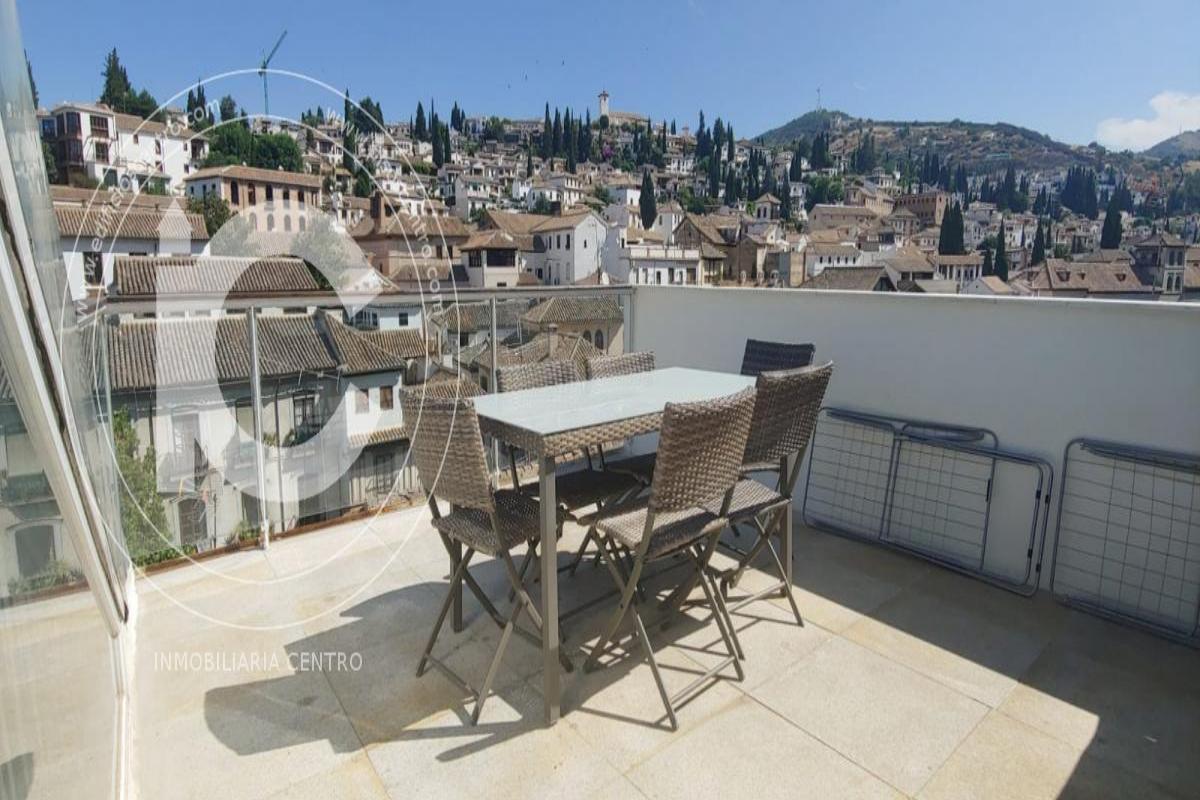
[{"x": 262, "y": 71}]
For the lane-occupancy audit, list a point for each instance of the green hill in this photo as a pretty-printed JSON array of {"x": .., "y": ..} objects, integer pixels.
[{"x": 1186, "y": 144}]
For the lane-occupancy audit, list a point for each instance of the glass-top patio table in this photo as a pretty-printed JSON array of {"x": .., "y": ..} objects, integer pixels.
[{"x": 555, "y": 421}]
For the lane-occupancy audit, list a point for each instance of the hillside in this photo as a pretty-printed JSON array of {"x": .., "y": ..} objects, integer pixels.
[
  {"x": 980, "y": 146},
  {"x": 1185, "y": 144},
  {"x": 807, "y": 125}
]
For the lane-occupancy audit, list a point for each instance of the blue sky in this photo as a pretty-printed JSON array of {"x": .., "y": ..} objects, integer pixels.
[{"x": 1069, "y": 69}]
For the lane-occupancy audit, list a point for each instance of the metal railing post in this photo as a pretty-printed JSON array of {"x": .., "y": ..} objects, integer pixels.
[
  {"x": 260, "y": 473},
  {"x": 492, "y": 386}
]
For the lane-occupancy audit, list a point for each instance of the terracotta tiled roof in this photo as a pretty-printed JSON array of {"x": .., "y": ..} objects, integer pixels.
[
  {"x": 511, "y": 222},
  {"x": 406, "y": 226},
  {"x": 396, "y": 433},
  {"x": 493, "y": 240},
  {"x": 142, "y": 349},
  {"x": 154, "y": 275},
  {"x": 861, "y": 279},
  {"x": 558, "y": 310},
  {"x": 472, "y": 317},
  {"x": 243, "y": 173},
  {"x": 1093, "y": 277},
  {"x": 106, "y": 222},
  {"x": 372, "y": 351}
]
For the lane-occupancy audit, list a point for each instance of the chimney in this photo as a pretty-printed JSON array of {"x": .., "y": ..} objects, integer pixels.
[{"x": 552, "y": 340}]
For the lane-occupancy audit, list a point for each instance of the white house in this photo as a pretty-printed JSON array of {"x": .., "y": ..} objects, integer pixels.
[
  {"x": 98, "y": 227},
  {"x": 573, "y": 244},
  {"x": 92, "y": 140}
]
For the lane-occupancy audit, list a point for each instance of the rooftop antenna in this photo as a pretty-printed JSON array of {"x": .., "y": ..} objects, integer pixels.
[
  {"x": 262, "y": 72},
  {"x": 818, "y": 98}
]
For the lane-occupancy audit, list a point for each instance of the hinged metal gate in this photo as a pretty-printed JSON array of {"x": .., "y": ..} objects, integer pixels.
[
  {"x": 1129, "y": 536},
  {"x": 928, "y": 488}
]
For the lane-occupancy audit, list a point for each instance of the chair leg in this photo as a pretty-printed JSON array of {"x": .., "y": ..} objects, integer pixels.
[
  {"x": 628, "y": 589},
  {"x": 523, "y": 599},
  {"x": 455, "y": 583},
  {"x": 579, "y": 555},
  {"x": 787, "y": 585},
  {"x": 721, "y": 615},
  {"x": 482, "y": 696},
  {"x": 662, "y": 689}
]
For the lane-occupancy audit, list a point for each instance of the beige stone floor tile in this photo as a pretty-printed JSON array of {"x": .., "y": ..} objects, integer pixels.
[
  {"x": 354, "y": 780},
  {"x": 249, "y": 740},
  {"x": 894, "y": 722},
  {"x": 509, "y": 754},
  {"x": 1130, "y": 718},
  {"x": 748, "y": 751},
  {"x": 384, "y": 696},
  {"x": 1004, "y": 758},
  {"x": 837, "y": 580},
  {"x": 974, "y": 638}
]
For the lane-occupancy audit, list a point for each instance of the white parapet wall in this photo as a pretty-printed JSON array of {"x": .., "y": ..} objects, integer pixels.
[{"x": 1038, "y": 372}]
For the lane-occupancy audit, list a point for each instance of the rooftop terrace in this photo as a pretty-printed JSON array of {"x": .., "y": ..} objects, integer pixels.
[{"x": 906, "y": 680}]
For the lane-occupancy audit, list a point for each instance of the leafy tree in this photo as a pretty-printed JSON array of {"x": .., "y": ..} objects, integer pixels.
[
  {"x": 214, "y": 210},
  {"x": 822, "y": 189},
  {"x": 51, "y": 162},
  {"x": 228, "y": 108},
  {"x": 143, "y": 514},
  {"x": 237, "y": 144},
  {"x": 1110, "y": 235},
  {"x": 647, "y": 204}
]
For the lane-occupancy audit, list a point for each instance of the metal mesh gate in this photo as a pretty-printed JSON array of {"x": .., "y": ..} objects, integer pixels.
[
  {"x": 1129, "y": 535},
  {"x": 927, "y": 488}
]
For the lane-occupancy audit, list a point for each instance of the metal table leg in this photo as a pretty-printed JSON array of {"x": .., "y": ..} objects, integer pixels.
[{"x": 549, "y": 566}]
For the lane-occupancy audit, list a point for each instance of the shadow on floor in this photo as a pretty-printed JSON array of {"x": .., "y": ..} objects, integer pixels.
[
  {"x": 16, "y": 777},
  {"x": 1073, "y": 671},
  {"x": 384, "y": 699}
]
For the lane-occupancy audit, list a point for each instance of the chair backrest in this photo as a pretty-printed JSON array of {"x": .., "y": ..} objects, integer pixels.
[
  {"x": 447, "y": 448},
  {"x": 762, "y": 356},
  {"x": 531, "y": 376},
  {"x": 623, "y": 364},
  {"x": 700, "y": 449},
  {"x": 785, "y": 412}
]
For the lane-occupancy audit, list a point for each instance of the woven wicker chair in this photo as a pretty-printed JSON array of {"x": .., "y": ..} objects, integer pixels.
[
  {"x": 531, "y": 376},
  {"x": 576, "y": 491},
  {"x": 700, "y": 454},
  {"x": 447, "y": 448},
  {"x": 762, "y": 356},
  {"x": 785, "y": 415},
  {"x": 624, "y": 364}
]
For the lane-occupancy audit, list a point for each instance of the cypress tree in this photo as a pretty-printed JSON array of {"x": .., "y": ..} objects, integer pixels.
[
  {"x": 547, "y": 136},
  {"x": 987, "y": 261},
  {"x": 1110, "y": 235},
  {"x": 420, "y": 129},
  {"x": 1039, "y": 245},
  {"x": 732, "y": 144},
  {"x": 529, "y": 162},
  {"x": 556, "y": 135},
  {"x": 646, "y": 203},
  {"x": 1000, "y": 262}
]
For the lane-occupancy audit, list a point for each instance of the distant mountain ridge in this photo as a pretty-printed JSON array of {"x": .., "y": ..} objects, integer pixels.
[
  {"x": 976, "y": 144},
  {"x": 1185, "y": 144}
]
